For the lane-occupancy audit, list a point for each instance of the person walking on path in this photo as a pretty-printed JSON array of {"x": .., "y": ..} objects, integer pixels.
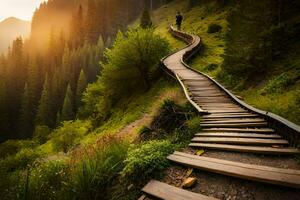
[{"x": 179, "y": 19}]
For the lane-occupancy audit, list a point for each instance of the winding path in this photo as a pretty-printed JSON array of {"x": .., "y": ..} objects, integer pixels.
[{"x": 229, "y": 124}]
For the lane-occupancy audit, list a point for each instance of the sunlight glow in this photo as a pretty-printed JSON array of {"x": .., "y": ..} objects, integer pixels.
[{"x": 22, "y": 9}]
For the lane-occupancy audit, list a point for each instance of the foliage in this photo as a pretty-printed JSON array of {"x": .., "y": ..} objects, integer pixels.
[
  {"x": 279, "y": 83},
  {"x": 174, "y": 122},
  {"x": 147, "y": 160},
  {"x": 11, "y": 147},
  {"x": 214, "y": 28},
  {"x": 97, "y": 172},
  {"x": 129, "y": 69},
  {"x": 67, "y": 112},
  {"x": 21, "y": 160},
  {"x": 47, "y": 180},
  {"x": 211, "y": 67},
  {"x": 69, "y": 134},
  {"x": 41, "y": 133},
  {"x": 146, "y": 21}
]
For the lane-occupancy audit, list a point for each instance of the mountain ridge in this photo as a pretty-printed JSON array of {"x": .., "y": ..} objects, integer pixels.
[{"x": 10, "y": 28}]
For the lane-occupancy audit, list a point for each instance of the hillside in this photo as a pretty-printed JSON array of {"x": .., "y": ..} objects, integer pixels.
[
  {"x": 275, "y": 86},
  {"x": 94, "y": 116},
  {"x": 11, "y": 28}
]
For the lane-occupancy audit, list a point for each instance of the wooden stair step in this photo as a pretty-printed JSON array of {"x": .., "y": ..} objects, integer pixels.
[
  {"x": 233, "y": 121},
  {"x": 224, "y": 111},
  {"x": 230, "y": 119},
  {"x": 242, "y": 130},
  {"x": 255, "y": 124},
  {"x": 248, "y": 149},
  {"x": 244, "y": 141},
  {"x": 164, "y": 191},
  {"x": 258, "y": 124},
  {"x": 226, "y": 116},
  {"x": 207, "y": 95},
  {"x": 272, "y": 175},
  {"x": 203, "y": 89},
  {"x": 240, "y": 135}
]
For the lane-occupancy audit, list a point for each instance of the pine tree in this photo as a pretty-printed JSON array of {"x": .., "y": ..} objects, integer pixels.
[
  {"x": 91, "y": 23},
  {"x": 77, "y": 28},
  {"x": 66, "y": 65},
  {"x": 44, "y": 114},
  {"x": 67, "y": 112},
  {"x": 24, "y": 122},
  {"x": 81, "y": 85},
  {"x": 146, "y": 21}
]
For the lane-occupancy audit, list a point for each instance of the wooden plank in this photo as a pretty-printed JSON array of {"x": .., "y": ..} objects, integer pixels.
[
  {"x": 242, "y": 130},
  {"x": 203, "y": 101},
  {"x": 247, "y": 149},
  {"x": 233, "y": 121},
  {"x": 288, "y": 178},
  {"x": 143, "y": 197},
  {"x": 194, "y": 95},
  {"x": 221, "y": 106},
  {"x": 226, "y": 116},
  {"x": 213, "y": 111},
  {"x": 168, "y": 192},
  {"x": 235, "y": 163},
  {"x": 244, "y": 141},
  {"x": 260, "y": 124},
  {"x": 229, "y": 119},
  {"x": 240, "y": 135}
]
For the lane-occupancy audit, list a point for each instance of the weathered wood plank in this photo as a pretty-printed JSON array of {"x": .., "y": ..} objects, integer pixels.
[
  {"x": 168, "y": 192},
  {"x": 247, "y": 149},
  {"x": 264, "y": 174},
  {"x": 244, "y": 141},
  {"x": 240, "y": 164},
  {"x": 260, "y": 124},
  {"x": 242, "y": 130},
  {"x": 233, "y": 121},
  {"x": 240, "y": 135}
]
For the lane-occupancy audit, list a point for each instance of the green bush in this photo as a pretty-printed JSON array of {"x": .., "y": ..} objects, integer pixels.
[
  {"x": 41, "y": 133},
  {"x": 278, "y": 84},
  {"x": 69, "y": 134},
  {"x": 11, "y": 147},
  {"x": 214, "y": 28},
  {"x": 48, "y": 180},
  {"x": 97, "y": 172},
  {"x": 21, "y": 160},
  {"x": 147, "y": 160},
  {"x": 211, "y": 67}
]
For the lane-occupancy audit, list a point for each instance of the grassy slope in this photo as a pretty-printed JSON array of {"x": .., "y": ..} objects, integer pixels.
[{"x": 284, "y": 102}]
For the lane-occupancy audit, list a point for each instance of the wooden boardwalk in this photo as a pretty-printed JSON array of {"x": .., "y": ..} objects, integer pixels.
[{"x": 228, "y": 125}]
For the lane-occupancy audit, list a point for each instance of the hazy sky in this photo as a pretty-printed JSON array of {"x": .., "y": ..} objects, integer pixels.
[{"x": 22, "y": 9}]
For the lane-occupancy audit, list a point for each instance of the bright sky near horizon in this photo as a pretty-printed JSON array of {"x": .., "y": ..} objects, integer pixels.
[{"x": 22, "y": 9}]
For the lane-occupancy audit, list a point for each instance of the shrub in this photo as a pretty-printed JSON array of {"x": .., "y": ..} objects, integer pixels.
[
  {"x": 41, "y": 133},
  {"x": 277, "y": 84},
  {"x": 96, "y": 172},
  {"x": 21, "y": 160},
  {"x": 11, "y": 147},
  {"x": 69, "y": 134},
  {"x": 48, "y": 180},
  {"x": 147, "y": 160},
  {"x": 211, "y": 67},
  {"x": 214, "y": 28}
]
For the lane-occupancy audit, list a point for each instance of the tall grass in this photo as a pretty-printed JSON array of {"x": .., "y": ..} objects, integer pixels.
[{"x": 98, "y": 169}]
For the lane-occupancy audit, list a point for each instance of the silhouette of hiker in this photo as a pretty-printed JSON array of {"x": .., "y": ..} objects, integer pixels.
[{"x": 179, "y": 19}]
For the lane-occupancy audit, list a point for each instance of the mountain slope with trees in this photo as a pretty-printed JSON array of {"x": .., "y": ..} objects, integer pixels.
[{"x": 84, "y": 83}]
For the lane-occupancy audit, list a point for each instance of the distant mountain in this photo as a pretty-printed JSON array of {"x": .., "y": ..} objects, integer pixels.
[{"x": 11, "y": 28}]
